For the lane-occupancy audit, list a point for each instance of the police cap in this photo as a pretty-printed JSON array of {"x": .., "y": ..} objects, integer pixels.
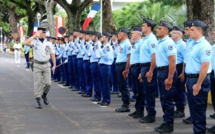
[
  {"x": 124, "y": 30},
  {"x": 188, "y": 23},
  {"x": 136, "y": 28},
  {"x": 166, "y": 24},
  {"x": 176, "y": 28},
  {"x": 41, "y": 28},
  {"x": 199, "y": 23},
  {"x": 149, "y": 22}
]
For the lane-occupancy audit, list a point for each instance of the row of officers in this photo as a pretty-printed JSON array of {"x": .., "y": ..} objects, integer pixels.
[{"x": 95, "y": 64}]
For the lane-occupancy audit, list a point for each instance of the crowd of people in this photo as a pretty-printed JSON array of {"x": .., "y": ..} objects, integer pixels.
[{"x": 97, "y": 65}]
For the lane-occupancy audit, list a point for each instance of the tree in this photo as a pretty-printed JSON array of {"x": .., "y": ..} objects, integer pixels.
[
  {"x": 202, "y": 10},
  {"x": 74, "y": 10}
]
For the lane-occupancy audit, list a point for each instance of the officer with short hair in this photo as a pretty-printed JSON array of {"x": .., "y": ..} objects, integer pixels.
[
  {"x": 122, "y": 68},
  {"x": 70, "y": 65},
  {"x": 65, "y": 61},
  {"x": 166, "y": 74},
  {"x": 42, "y": 52},
  {"x": 180, "y": 96},
  {"x": 61, "y": 58},
  {"x": 58, "y": 60},
  {"x": 197, "y": 73},
  {"x": 148, "y": 72}
]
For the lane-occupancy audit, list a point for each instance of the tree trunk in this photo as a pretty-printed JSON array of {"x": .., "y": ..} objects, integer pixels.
[
  {"x": 50, "y": 19},
  {"x": 107, "y": 21},
  {"x": 13, "y": 20},
  {"x": 204, "y": 11},
  {"x": 31, "y": 19},
  {"x": 71, "y": 20}
]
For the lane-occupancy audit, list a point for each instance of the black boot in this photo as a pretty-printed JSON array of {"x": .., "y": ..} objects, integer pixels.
[
  {"x": 132, "y": 114},
  {"x": 38, "y": 104},
  {"x": 147, "y": 119},
  {"x": 45, "y": 99},
  {"x": 160, "y": 127},
  {"x": 179, "y": 114},
  {"x": 168, "y": 128},
  {"x": 139, "y": 114},
  {"x": 187, "y": 120},
  {"x": 212, "y": 129}
]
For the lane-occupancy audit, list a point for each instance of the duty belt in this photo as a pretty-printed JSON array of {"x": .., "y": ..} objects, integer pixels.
[
  {"x": 145, "y": 64},
  {"x": 40, "y": 62},
  {"x": 135, "y": 65},
  {"x": 194, "y": 75},
  {"x": 120, "y": 63},
  {"x": 163, "y": 68}
]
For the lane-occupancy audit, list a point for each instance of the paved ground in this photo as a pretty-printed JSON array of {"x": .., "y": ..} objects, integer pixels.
[{"x": 68, "y": 113}]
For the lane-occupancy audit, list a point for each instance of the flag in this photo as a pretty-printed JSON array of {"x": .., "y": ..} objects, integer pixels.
[
  {"x": 35, "y": 27},
  {"x": 21, "y": 32},
  {"x": 90, "y": 16},
  {"x": 59, "y": 23}
]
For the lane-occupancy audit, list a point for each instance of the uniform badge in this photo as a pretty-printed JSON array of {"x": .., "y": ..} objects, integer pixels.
[
  {"x": 208, "y": 52},
  {"x": 120, "y": 49},
  {"x": 133, "y": 46},
  {"x": 170, "y": 47},
  {"x": 153, "y": 45},
  {"x": 129, "y": 47},
  {"x": 108, "y": 49}
]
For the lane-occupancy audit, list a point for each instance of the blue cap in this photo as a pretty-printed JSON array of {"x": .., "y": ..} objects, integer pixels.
[
  {"x": 199, "y": 23},
  {"x": 166, "y": 24},
  {"x": 176, "y": 28},
  {"x": 136, "y": 28},
  {"x": 124, "y": 30},
  {"x": 188, "y": 23},
  {"x": 149, "y": 22}
]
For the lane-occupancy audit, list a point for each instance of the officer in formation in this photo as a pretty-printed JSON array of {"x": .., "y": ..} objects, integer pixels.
[{"x": 42, "y": 50}]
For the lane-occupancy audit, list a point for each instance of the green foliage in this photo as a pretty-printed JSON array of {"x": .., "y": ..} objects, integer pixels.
[{"x": 6, "y": 27}]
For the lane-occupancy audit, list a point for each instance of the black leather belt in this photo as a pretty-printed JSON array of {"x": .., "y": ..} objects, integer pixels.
[
  {"x": 145, "y": 64},
  {"x": 80, "y": 58},
  {"x": 40, "y": 62},
  {"x": 194, "y": 75},
  {"x": 163, "y": 68},
  {"x": 179, "y": 64},
  {"x": 120, "y": 63},
  {"x": 93, "y": 62},
  {"x": 86, "y": 60},
  {"x": 135, "y": 65}
]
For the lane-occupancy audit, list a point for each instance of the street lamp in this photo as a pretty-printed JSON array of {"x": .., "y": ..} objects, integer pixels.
[
  {"x": 38, "y": 18},
  {"x": 1, "y": 39}
]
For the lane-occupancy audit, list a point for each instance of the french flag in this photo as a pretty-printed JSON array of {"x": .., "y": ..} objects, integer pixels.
[
  {"x": 35, "y": 27},
  {"x": 90, "y": 16}
]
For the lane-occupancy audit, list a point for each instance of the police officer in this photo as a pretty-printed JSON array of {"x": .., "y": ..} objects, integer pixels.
[
  {"x": 26, "y": 52},
  {"x": 180, "y": 96},
  {"x": 70, "y": 68},
  {"x": 187, "y": 26},
  {"x": 57, "y": 75},
  {"x": 166, "y": 75},
  {"x": 197, "y": 71},
  {"x": 148, "y": 69},
  {"x": 135, "y": 70},
  {"x": 95, "y": 67},
  {"x": 122, "y": 67},
  {"x": 65, "y": 60},
  {"x": 106, "y": 59},
  {"x": 80, "y": 63},
  {"x": 42, "y": 52},
  {"x": 61, "y": 50},
  {"x": 86, "y": 64}
]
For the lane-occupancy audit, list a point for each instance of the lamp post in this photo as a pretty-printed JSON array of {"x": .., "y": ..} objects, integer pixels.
[
  {"x": 1, "y": 39},
  {"x": 38, "y": 18}
]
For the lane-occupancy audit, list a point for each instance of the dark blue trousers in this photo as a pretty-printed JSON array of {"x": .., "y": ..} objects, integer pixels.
[
  {"x": 57, "y": 70},
  {"x": 81, "y": 75},
  {"x": 62, "y": 71},
  {"x": 166, "y": 96},
  {"x": 88, "y": 77},
  {"x": 150, "y": 90},
  {"x": 212, "y": 88},
  {"x": 180, "y": 95},
  {"x": 66, "y": 74},
  {"x": 131, "y": 85},
  {"x": 138, "y": 87},
  {"x": 96, "y": 79},
  {"x": 51, "y": 63},
  {"x": 75, "y": 72},
  {"x": 123, "y": 84},
  {"x": 105, "y": 72},
  {"x": 113, "y": 77},
  {"x": 27, "y": 60},
  {"x": 70, "y": 71},
  {"x": 198, "y": 104}
]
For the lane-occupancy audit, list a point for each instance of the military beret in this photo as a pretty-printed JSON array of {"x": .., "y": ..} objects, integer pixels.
[
  {"x": 66, "y": 36},
  {"x": 82, "y": 31},
  {"x": 199, "y": 23},
  {"x": 41, "y": 28},
  {"x": 114, "y": 33},
  {"x": 149, "y": 22},
  {"x": 124, "y": 30},
  {"x": 98, "y": 34},
  {"x": 48, "y": 37},
  {"x": 136, "y": 28},
  {"x": 89, "y": 32},
  {"x": 107, "y": 34},
  {"x": 54, "y": 38},
  {"x": 166, "y": 24},
  {"x": 176, "y": 28},
  {"x": 60, "y": 38},
  {"x": 188, "y": 23}
]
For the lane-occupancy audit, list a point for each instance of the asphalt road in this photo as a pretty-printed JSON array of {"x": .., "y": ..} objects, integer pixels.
[{"x": 68, "y": 113}]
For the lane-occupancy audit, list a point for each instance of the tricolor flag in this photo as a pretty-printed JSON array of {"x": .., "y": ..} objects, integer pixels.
[
  {"x": 35, "y": 27},
  {"x": 21, "y": 32},
  {"x": 90, "y": 16}
]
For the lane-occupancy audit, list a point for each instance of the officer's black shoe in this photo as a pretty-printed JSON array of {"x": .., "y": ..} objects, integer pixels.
[
  {"x": 113, "y": 92},
  {"x": 86, "y": 95},
  {"x": 212, "y": 116},
  {"x": 95, "y": 100},
  {"x": 147, "y": 119},
  {"x": 179, "y": 114},
  {"x": 168, "y": 128},
  {"x": 66, "y": 85},
  {"x": 132, "y": 114},
  {"x": 70, "y": 87},
  {"x": 45, "y": 99},
  {"x": 56, "y": 81},
  {"x": 132, "y": 100},
  {"x": 38, "y": 104},
  {"x": 74, "y": 89},
  {"x": 187, "y": 120},
  {"x": 103, "y": 103},
  {"x": 60, "y": 82},
  {"x": 160, "y": 127},
  {"x": 122, "y": 110},
  {"x": 212, "y": 129},
  {"x": 119, "y": 95},
  {"x": 80, "y": 92},
  {"x": 139, "y": 114}
]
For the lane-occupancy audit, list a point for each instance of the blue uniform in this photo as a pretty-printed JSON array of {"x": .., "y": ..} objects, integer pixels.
[
  {"x": 135, "y": 71},
  {"x": 200, "y": 51},
  {"x": 75, "y": 64},
  {"x": 180, "y": 96},
  {"x": 95, "y": 70},
  {"x": 124, "y": 51},
  {"x": 165, "y": 48},
  {"x": 114, "y": 82},
  {"x": 148, "y": 48},
  {"x": 105, "y": 62},
  {"x": 212, "y": 77},
  {"x": 57, "y": 75},
  {"x": 70, "y": 65},
  {"x": 87, "y": 72},
  {"x": 26, "y": 52},
  {"x": 65, "y": 65}
]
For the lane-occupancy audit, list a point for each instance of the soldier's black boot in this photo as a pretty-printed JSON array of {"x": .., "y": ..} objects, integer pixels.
[
  {"x": 45, "y": 99},
  {"x": 168, "y": 128},
  {"x": 38, "y": 104}
]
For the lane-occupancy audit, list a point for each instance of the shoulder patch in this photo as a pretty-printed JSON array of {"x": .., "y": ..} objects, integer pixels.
[
  {"x": 133, "y": 46},
  {"x": 208, "y": 52},
  {"x": 153, "y": 45},
  {"x": 129, "y": 47},
  {"x": 170, "y": 47}
]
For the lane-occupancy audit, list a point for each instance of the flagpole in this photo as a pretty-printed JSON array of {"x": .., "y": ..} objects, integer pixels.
[{"x": 101, "y": 16}]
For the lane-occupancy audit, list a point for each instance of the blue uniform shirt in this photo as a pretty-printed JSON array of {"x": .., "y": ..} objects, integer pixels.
[
  {"x": 115, "y": 48},
  {"x": 26, "y": 49},
  {"x": 124, "y": 50},
  {"x": 199, "y": 52},
  {"x": 148, "y": 48},
  {"x": 180, "y": 47},
  {"x": 165, "y": 48},
  {"x": 213, "y": 58},
  {"x": 86, "y": 50},
  {"x": 94, "y": 51},
  {"x": 65, "y": 50},
  {"x": 57, "y": 49},
  {"x": 70, "y": 49},
  {"x": 188, "y": 46},
  {"x": 80, "y": 49},
  {"x": 107, "y": 55},
  {"x": 135, "y": 52}
]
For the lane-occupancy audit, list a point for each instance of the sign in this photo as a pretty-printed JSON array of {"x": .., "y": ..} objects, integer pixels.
[{"x": 62, "y": 30}]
